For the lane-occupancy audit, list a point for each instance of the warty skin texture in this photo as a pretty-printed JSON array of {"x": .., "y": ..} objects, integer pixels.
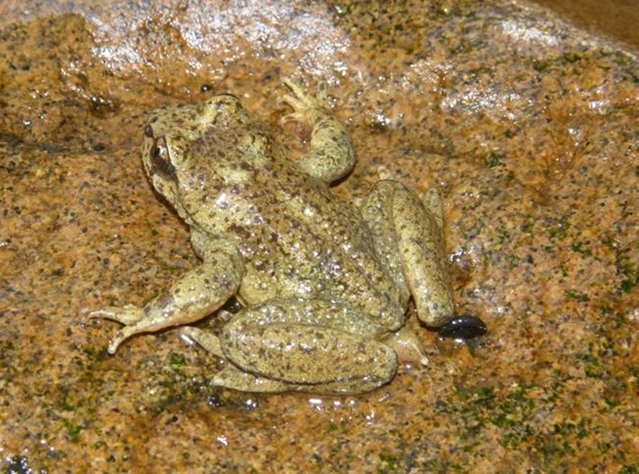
[{"x": 324, "y": 285}]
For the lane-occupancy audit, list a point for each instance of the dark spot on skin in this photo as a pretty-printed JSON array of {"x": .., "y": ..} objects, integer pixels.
[
  {"x": 162, "y": 302},
  {"x": 239, "y": 231},
  {"x": 463, "y": 327}
]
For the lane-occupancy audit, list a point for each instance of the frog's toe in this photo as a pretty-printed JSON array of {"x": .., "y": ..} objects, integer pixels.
[
  {"x": 300, "y": 110},
  {"x": 120, "y": 337},
  {"x": 128, "y": 314},
  {"x": 408, "y": 346},
  {"x": 301, "y": 100},
  {"x": 113, "y": 345},
  {"x": 208, "y": 341},
  {"x": 291, "y": 101},
  {"x": 295, "y": 87},
  {"x": 293, "y": 117}
]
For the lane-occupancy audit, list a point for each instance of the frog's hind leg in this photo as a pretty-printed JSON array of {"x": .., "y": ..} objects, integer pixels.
[
  {"x": 409, "y": 239},
  {"x": 231, "y": 376},
  {"x": 304, "y": 345}
]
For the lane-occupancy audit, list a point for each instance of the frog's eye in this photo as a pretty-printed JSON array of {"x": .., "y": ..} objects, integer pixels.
[{"x": 160, "y": 159}]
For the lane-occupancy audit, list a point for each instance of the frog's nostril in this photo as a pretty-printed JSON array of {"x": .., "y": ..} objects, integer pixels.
[{"x": 148, "y": 131}]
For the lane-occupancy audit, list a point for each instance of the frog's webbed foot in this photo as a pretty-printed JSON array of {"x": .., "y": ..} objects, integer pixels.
[
  {"x": 128, "y": 315},
  {"x": 305, "y": 106}
]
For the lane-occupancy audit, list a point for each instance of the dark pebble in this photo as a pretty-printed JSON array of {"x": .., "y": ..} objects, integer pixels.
[
  {"x": 463, "y": 327},
  {"x": 215, "y": 401},
  {"x": 18, "y": 465}
]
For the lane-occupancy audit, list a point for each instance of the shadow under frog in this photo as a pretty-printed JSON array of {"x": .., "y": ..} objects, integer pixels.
[{"x": 324, "y": 286}]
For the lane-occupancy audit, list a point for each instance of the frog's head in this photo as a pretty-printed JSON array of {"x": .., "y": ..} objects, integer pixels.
[{"x": 171, "y": 132}]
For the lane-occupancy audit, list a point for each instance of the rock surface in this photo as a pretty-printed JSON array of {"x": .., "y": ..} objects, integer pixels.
[{"x": 527, "y": 125}]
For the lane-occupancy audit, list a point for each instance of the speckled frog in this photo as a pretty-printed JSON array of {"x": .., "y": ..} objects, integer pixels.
[{"x": 324, "y": 286}]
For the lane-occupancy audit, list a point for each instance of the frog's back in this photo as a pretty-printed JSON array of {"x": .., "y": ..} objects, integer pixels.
[{"x": 302, "y": 241}]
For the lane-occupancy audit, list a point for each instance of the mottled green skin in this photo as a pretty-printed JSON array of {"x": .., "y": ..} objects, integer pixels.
[{"x": 325, "y": 286}]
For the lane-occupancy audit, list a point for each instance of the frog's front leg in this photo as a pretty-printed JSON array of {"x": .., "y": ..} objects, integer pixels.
[
  {"x": 314, "y": 346},
  {"x": 409, "y": 237},
  {"x": 199, "y": 292},
  {"x": 331, "y": 155}
]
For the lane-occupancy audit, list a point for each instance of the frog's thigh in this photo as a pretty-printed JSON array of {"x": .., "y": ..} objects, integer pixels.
[
  {"x": 409, "y": 235},
  {"x": 293, "y": 348},
  {"x": 235, "y": 378}
]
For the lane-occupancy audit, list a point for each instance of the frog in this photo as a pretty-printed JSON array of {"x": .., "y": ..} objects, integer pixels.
[{"x": 324, "y": 285}]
